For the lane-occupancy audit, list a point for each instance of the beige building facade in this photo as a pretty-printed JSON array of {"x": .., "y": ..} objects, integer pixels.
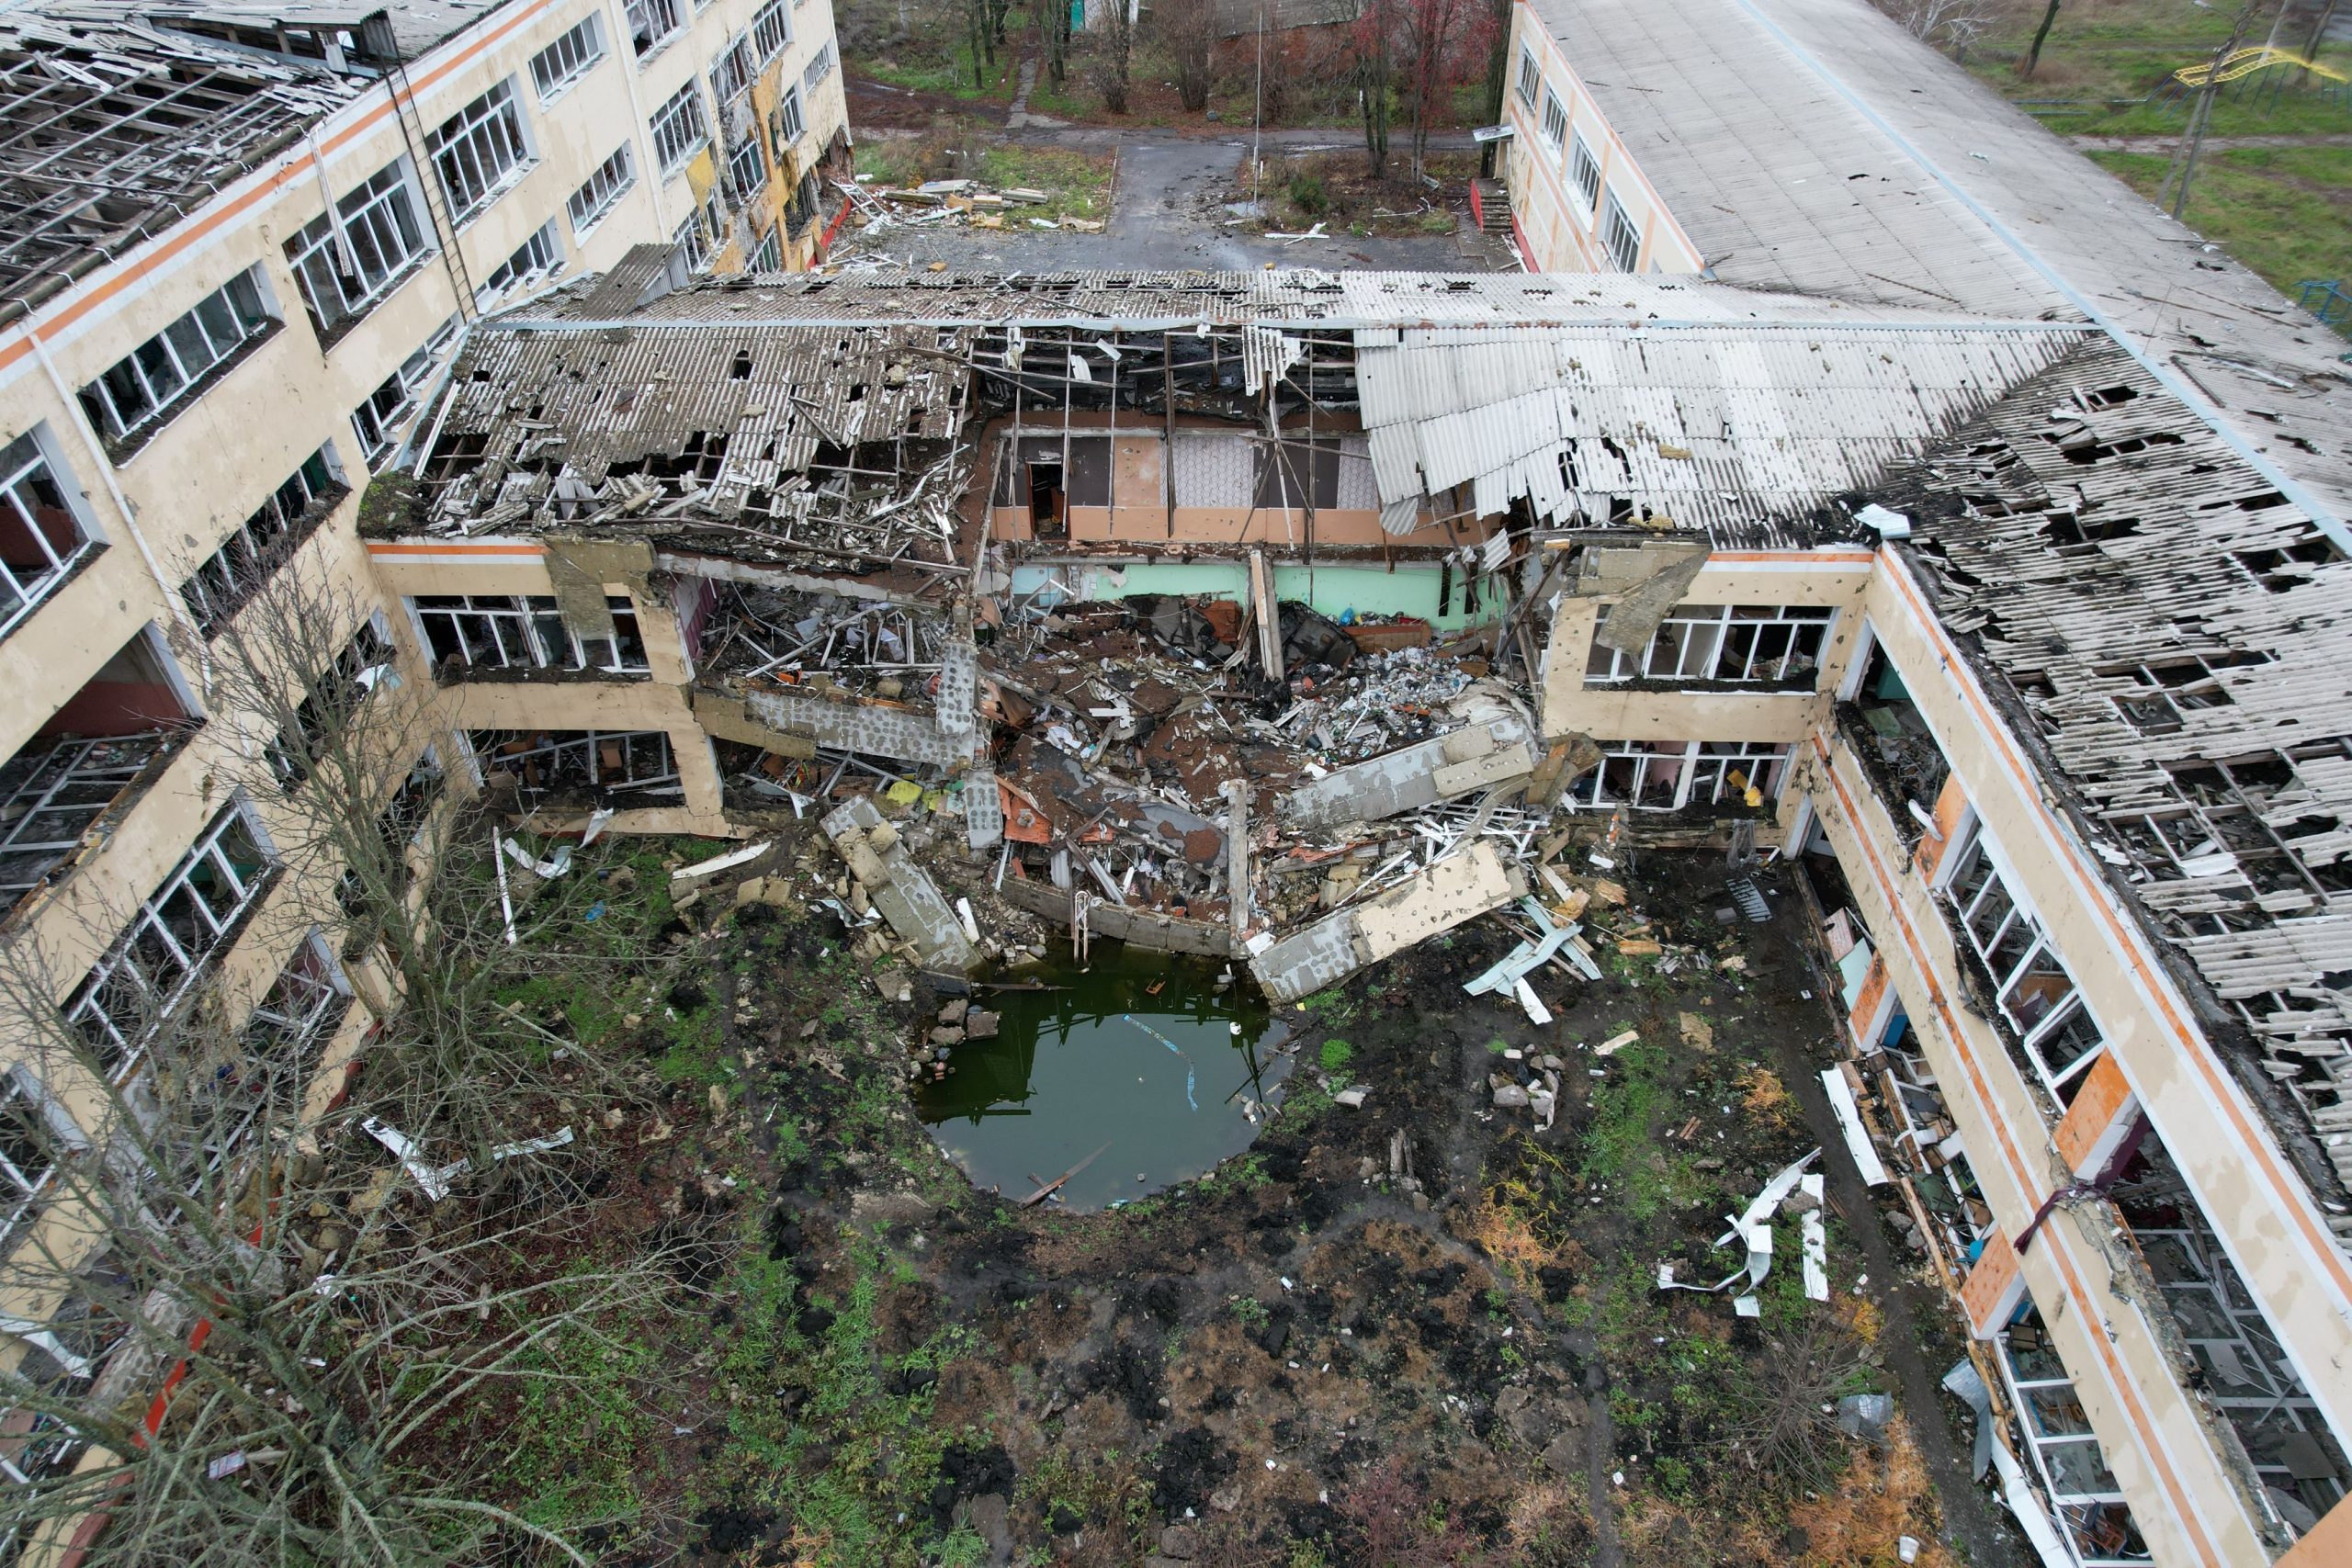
[{"x": 222, "y": 315}]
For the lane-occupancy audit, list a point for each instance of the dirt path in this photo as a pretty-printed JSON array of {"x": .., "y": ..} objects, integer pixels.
[{"x": 2169, "y": 143}]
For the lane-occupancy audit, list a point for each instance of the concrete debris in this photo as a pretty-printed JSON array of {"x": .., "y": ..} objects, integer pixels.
[
  {"x": 1457, "y": 888},
  {"x": 905, "y": 893}
]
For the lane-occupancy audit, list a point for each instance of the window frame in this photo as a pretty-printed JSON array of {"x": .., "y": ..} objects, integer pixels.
[
  {"x": 378, "y": 212},
  {"x": 692, "y": 239},
  {"x": 1683, "y": 765},
  {"x": 1530, "y": 75},
  {"x": 732, "y": 71},
  {"x": 544, "y": 258},
  {"x": 1985, "y": 927},
  {"x": 1613, "y": 224},
  {"x": 791, "y": 115},
  {"x": 523, "y": 630},
  {"x": 227, "y": 579},
  {"x": 820, "y": 65},
  {"x": 686, "y": 102},
  {"x": 149, "y": 937},
  {"x": 769, "y": 254},
  {"x": 578, "y": 58},
  {"x": 584, "y": 218},
  {"x": 412, "y": 373},
  {"x": 1718, "y": 624},
  {"x": 464, "y": 143},
  {"x": 775, "y": 21},
  {"x": 1555, "y": 129},
  {"x": 748, "y": 149},
  {"x": 244, "y": 302},
  {"x": 1583, "y": 175},
  {"x": 641, "y": 14},
  {"x": 20, "y": 473}
]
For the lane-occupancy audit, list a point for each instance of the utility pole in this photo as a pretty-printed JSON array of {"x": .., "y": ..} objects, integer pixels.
[{"x": 2203, "y": 113}]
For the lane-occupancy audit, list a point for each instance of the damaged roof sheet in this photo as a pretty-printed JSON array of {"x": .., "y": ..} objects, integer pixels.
[
  {"x": 112, "y": 131},
  {"x": 1815, "y": 145},
  {"x": 1141, "y": 300},
  {"x": 2177, "y": 635},
  {"x": 1735, "y": 429}
]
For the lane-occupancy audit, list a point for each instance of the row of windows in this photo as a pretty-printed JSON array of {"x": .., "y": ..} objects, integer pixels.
[
  {"x": 1670, "y": 775},
  {"x": 1746, "y": 643},
  {"x": 233, "y": 574},
  {"x": 503, "y": 631},
  {"x": 1619, "y": 236}
]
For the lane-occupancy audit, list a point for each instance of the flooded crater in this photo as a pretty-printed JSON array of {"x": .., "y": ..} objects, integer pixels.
[{"x": 1131, "y": 1074}]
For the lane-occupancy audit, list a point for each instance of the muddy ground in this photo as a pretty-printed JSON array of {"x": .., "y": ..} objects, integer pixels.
[{"x": 1300, "y": 1359}]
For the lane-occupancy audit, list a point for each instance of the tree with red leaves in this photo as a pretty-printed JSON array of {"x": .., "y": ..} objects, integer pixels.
[{"x": 1409, "y": 57}]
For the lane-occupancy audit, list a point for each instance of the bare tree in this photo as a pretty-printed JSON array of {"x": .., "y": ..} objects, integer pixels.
[
  {"x": 263, "y": 1298},
  {"x": 1113, "y": 62},
  {"x": 1372, "y": 49},
  {"x": 1439, "y": 44},
  {"x": 1185, "y": 33},
  {"x": 2183, "y": 166},
  {"x": 1946, "y": 24},
  {"x": 2032, "y": 61},
  {"x": 1051, "y": 22}
]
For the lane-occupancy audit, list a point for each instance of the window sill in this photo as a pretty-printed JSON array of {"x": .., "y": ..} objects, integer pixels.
[
  {"x": 122, "y": 448},
  {"x": 331, "y": 336},
  {"x": 563, "y": 88},
  {"x": 659, "y": 47},
  {"x": 459, "y": 223},
  {"x": 90, "y": 551},
  {"x": 455, "y": 672},
  {"x": 677, "y": 170},
  {"x": 286, "y": 548}
]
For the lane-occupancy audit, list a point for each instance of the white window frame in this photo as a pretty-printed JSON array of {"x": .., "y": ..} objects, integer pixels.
[
  {"x": 770, "y": 30},
  {"x": 693, "y": 241},
  {"x": 820, "y": 65},
  {"x": 226, "y": 580},
  {"x": 514, "y": 631},
  {"x": 168, "y": 367},
  {"x": 747, "y": 151},
  {"x": 556, "y": 68},
  {"x": 480, "y": 153},
  {"x": 347, "y": 262},
  {"x": 1555, "y": 120},
  {"x": 732, "y": 71},
  {"x": 378, "y": 421},
  {"x": 1583, "y": 175},
  {"x": 535, "y": 261},
  {"x": 1618, "y": 233},
  {"x": 363, "y": 663},
  {"x": 652, "y": 23},
  {"x": 680, "y": 129},
  {"x": 1700, "y": 769},
  {"x": 26, "y": 469},
  {"x": 21, "y": 1187},
  {"x": 1530, "y": 76},
  {"x": 769, "y": 256},
  {"x": 1989, "y": 916},
  {"x": 1691, "y": 641},
  {"x": 792, "y": 120},
  {"x": 149, "y": 936},
  {"x": 601, "y": 191}
]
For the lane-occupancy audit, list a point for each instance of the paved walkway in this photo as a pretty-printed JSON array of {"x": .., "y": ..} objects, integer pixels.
[{"x": 2170, "y": 144}]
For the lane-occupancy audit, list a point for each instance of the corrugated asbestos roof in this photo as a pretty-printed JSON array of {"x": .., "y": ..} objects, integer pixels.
[
  {"x": 1154, "y": 299},
  {"x": 1767, "y": 153},
  {"x": 1738, "y": 430},
  {"x": 112, "y": 131},
  {"x": 2177, "y": 640}
]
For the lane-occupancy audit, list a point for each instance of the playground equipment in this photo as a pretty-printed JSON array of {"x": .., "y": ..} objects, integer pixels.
[{"x": 2263, "y": 67}]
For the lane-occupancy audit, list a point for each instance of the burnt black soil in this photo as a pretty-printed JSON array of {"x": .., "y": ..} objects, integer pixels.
[{"x": 1313, "y": 1354}]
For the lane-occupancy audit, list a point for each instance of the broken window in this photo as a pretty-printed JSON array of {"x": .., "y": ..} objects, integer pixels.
[
  {"x": 30, "y": 1127},
  {"x": 139, "y": 389},
  {"x": 229, "y": 578},
  {"x": 479, "y": 151},
  {"x": 1670, "y": 775},
  {"x": 345, "y": 262},
  {"x": 536, "y": 259},
  {"x": 41, "y": 540},
  {"x": 172, "y": 938},
  {"x": 2031, "y": 985},
  {"x": 1295, "y": 473},
  {"x": 770, "y": 29},
  {"x": 379, "y": 421},
  {"x": 2067, "y": 1455},
  {"x": 86, "y": 760},
  {"x": 650, "y": 22},
  {"x": 1746, "y": 643},
  {"x": 596, "y": 196},
  {"x": 605, "y": 765},
  {"x": 1530, "y": 77},
  {"x": 331, "y": 699},
  {"x": 510, "y": 631},
  {"x": 278, "y": 1056},
  {"x": 569, "y": 58},
  {"x": 678, "y": 129}
]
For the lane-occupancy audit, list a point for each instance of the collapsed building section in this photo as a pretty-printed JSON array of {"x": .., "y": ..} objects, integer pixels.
[{"x": 1291, "y": 619}]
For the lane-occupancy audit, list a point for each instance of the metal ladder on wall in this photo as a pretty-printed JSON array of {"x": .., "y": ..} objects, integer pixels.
[{"x": 429, "y": 182}]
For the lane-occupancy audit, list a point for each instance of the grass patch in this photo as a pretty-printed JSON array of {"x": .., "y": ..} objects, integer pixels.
[
  {"x": 1076, "y": 183},
  {"x": 1623, "y": 1150},
  {"x": 2284, "y": 211}
]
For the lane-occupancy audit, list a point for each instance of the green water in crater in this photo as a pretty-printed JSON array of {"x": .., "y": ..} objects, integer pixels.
[{"x": 1135, "y": 1055}]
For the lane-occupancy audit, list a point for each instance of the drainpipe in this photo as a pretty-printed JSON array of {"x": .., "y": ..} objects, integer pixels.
[{"x": 122, "y": 504}]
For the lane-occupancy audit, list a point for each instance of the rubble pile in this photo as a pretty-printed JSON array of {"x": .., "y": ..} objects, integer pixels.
[{"x": 958, "y": 204}]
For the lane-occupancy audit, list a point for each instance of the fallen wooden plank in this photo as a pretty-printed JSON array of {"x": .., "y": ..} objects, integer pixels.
[{"x": 1050, "y": 1187}]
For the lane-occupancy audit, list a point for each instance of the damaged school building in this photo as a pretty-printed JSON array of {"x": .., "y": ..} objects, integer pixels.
[{"x": 1294, "y": 618}]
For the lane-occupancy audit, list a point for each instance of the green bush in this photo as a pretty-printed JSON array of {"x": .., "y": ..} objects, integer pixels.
[{"x": 1309, "y": 194}]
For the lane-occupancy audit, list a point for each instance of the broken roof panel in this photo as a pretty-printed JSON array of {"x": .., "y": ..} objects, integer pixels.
[
  {"x": 112, "y": 130},
  {"x": 2174, "y": 639},
  {"x": 1734, "y": 429}
]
